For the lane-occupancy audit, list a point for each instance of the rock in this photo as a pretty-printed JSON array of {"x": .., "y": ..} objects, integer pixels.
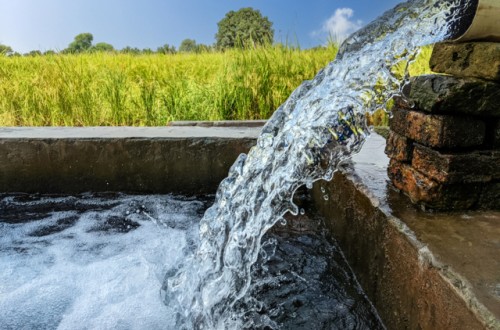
[
  {"x": 496, "y": 135},
  {"x": 398, "y": 147},
  {"x": 440, "y": 131},
  {"x": 477, "y": 166},
  {"x": 423, "y": 190},
  {"x": 450, "y": 95},
  {"x": 473, "y": 59},
  {"x": 490, "y": 196}
]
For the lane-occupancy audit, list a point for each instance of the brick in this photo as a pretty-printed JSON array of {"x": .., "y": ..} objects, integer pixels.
[
  {"x": 423, "y": 190},
  {"x": 478, "y": 166},
  {"x": 490, "y": 196},
  {"x": 472, "y": 59},
  {"x": 496, "y": 135},
  {"x": 450, "y": 95},
  {"x": 398, "y": 147},
  {"x": 440, "y": 131}
]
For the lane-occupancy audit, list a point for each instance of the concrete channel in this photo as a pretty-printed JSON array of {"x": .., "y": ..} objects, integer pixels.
[{"x": 421, "y": 269}]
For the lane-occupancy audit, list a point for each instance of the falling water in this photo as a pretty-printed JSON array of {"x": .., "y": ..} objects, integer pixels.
[{"x": 319, "y": 126}]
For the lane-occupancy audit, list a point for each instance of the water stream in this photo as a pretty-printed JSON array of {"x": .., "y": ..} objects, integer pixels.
[{"x": 319, "y": 126}]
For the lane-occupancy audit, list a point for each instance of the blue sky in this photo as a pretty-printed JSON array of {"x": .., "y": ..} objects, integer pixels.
[{"x": 52, "y": 24}]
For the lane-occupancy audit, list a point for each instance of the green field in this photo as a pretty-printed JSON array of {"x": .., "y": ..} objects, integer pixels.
[{"x": 106, "y": 89}]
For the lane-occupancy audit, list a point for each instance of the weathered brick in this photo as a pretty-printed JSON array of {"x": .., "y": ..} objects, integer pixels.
[
  {"x": 496, "y": 135},
  {"x": 472, "y": 59},
  {"x": 490, "y": 196},
  {"x": 423, "y": 190},
  {"x": 440, "y": 131},
  {"x": 450, "y": 95},
  {"x": 478, "y": 166},
  {"x": 398, "y": 147}
]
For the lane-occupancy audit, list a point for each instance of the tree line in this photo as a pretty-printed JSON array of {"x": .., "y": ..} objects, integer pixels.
[{"x": 238, "y": 29}]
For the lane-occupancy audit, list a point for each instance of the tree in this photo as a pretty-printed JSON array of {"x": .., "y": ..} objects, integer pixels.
[
  {"x": 188, "y": 46},
  {"x": 244, "y": 28},
  {"x": 102, "y": 47},
  {"x": 5, "y": 50},
  {"x": 166, "y": 49},
  {"x": 131, "y": 50},
  {"x": 33, "y": 53},
  {"x": 82, "y": 43},
  {"x": 202, "y": 48}
]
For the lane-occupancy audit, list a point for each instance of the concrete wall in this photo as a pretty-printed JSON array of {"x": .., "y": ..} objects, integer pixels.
[
  {"x": 421, "y": 270},
  {"x": 187, "y": 160}
]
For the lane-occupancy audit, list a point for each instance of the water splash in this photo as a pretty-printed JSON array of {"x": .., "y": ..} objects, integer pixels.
[{"x": 319, "y": 126}]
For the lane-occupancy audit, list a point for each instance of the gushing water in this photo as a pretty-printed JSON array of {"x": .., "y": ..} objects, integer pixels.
[{"x": 319, "y": 126}]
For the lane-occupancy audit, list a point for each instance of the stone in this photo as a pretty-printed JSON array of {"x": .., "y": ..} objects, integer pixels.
[
  {"x": 490, "y": 196},
  {"x": 477, "y": 166},
  {"x": 423, "y": 190},
  {"x": 450, "y": 95},
  {"x": 398, "y": 147},
  {"x": 496, "y": 135},
  {"x": 472, "y": 59},
  {"x": 440, "y": 131}
]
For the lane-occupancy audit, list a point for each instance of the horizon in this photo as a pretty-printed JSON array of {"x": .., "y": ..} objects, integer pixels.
[{"x": 27, "y": 25}]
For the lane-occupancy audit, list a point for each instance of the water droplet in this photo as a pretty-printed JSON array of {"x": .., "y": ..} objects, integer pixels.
[
  {"x": 283, "y": 222},
  {"x": 302, "y": 211},
  {"x": 323, "y": 190},
  {"x": 325, "y": 197}
]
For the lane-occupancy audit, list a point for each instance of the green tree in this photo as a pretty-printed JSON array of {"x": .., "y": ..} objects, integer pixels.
[
  {"x": 102, "y": 47},
  {"x": 166, "y": 49},
  {"x": 244, "y": 28},
  {"x": 34, "y": 53},
  {"x": 49, "y": 52},
  {"x": 5, "y": 50},
  {"x": 188, "y": 46},
  {"x": 131, "y": 50},
  {"x": 82, "y": 43}
]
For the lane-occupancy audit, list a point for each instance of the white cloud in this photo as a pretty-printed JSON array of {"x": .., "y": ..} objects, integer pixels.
[{"x": 339, "y": 26}]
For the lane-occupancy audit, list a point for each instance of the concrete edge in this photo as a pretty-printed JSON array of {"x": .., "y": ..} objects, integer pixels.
[
  {"x": 186, "y": 160},
  {"x": 382, "y": 249}
]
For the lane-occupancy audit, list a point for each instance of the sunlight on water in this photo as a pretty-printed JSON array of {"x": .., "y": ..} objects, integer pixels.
[{"x": 320, "y": 125}]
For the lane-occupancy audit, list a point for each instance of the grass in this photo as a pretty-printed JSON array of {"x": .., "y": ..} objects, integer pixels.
[
  {"x": 119, "y": 89},
  {"x": 103, "y": 89}
]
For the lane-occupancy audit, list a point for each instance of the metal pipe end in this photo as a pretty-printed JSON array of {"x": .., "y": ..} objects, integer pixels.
[{"x": 479, "y": 20}]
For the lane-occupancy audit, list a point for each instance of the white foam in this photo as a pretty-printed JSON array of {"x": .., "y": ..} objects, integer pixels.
[{"x": 81, "y": 278}]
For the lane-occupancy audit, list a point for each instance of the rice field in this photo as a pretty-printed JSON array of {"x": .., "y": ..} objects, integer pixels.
[{"x": 106, "y": 89}]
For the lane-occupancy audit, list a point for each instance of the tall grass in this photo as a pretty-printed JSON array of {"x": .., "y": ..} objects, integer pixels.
[{"x": 120, "y": 89}]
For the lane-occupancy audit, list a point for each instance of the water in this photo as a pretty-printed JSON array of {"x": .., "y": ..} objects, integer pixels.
[
  {"x": 97, "y": 262},
  {"x": 91, "y": 262},
  {"x": 319, "y": 126}
]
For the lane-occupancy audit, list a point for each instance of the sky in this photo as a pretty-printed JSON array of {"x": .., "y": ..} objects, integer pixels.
[{"x": 27, "y": 25}]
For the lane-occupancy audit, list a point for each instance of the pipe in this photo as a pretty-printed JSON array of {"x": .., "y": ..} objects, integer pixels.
[{"x": 480, "y": 21}]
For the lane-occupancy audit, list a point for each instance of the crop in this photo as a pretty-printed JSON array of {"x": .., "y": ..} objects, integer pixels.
[
  {"x": 110, "y": 89},
  {"x": 103, "y": 89}
]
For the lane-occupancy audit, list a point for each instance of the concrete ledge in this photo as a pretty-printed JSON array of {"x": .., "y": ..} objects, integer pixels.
[
  {"x": 186, "y": 160},
  {"x": 220, "y": 123},
  {"x": 421, "y": 270}
]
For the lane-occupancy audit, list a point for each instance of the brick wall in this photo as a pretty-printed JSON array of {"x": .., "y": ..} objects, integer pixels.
[{"x": 444, "y": 142}]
